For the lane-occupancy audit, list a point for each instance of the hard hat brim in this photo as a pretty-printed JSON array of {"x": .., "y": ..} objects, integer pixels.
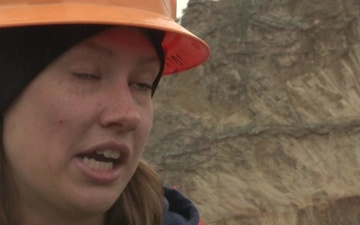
[{"x": 183, "y": 50}]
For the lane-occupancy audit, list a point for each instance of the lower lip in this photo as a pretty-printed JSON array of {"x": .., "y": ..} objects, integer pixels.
[{"x": 98, "y": 176}]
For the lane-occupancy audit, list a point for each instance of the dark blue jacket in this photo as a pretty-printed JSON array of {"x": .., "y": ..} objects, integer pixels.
[{"x": 178, "y": 210}]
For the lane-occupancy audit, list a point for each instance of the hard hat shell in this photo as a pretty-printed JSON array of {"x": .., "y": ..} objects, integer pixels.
[{"x": 183, "y": 50}]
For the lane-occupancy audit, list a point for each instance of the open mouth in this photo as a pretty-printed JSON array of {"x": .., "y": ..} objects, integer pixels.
[{"x": 102, "y": 160}]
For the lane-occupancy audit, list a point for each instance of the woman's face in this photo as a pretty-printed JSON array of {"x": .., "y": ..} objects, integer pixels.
[{"x": 75, "y": 136}]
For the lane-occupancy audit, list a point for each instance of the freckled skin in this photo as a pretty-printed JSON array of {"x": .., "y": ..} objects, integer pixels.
[{"x": 90, "y": 111}]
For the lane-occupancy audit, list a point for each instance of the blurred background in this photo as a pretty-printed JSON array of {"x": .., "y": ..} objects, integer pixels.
[
  {"x": 267, "y": 132},
  {"x": 181, "y": 5}
]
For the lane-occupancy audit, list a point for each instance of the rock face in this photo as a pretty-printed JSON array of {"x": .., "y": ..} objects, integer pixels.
[{"x": 268, "y": 130}]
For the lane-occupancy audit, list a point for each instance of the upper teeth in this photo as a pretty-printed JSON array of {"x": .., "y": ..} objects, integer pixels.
[{"x": 109, "y": 153}]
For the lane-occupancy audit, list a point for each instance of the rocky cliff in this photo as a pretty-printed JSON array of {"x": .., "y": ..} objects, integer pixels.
[{"x": 268, "y": 130}]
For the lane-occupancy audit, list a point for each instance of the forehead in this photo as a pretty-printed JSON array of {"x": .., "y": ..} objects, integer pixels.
[
  {"x": 122, "y": 38},
  {"x": 123, "y": 33},
  {"x": 120, "y": 45}
]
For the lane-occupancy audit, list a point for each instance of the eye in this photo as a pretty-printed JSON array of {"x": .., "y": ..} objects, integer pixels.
[
  {"x": 142, "y": 86},
  {"x": 86, "y": 76}
]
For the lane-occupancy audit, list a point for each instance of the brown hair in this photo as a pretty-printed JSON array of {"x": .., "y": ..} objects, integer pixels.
[
  {"x": 141, "y": 203},
  {"x": 8, "y": 210}
]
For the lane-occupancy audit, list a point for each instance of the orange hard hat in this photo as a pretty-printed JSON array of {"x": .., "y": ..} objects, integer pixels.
[{"x": 182, "y": 49}]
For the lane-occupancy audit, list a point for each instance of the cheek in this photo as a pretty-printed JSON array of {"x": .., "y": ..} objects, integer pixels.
[
  {"x": 148, "y": 118},
  {"x": 71, "y": 113},
  {"x": 143, "y": 131},
  {"x": 36, "y": 122}
]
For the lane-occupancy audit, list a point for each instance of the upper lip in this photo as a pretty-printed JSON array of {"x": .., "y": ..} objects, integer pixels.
[{"x": 123, "y": 149}]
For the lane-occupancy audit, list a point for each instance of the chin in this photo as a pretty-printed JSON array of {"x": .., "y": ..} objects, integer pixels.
[
  {"x": 95, "y": 202},
  {"x": 94, "y": 207}
]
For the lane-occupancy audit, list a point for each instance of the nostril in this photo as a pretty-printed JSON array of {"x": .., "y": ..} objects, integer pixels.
[{"x": 125, "y": 117}]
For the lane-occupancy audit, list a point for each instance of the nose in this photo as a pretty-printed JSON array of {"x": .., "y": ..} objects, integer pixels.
[{"x": 119, "y": 110}]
